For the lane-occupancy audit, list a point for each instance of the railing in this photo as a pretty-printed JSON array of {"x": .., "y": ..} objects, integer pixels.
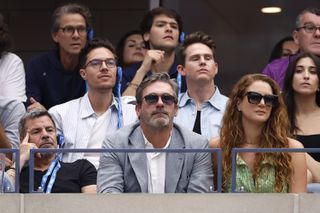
[
  {"x": 260, "y": 150},
  {"x": 215, "y": 150},
  {"x": 16, "y": 154}
]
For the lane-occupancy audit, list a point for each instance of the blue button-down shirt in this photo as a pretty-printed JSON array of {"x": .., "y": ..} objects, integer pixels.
[{"x": 211, "y": 113}]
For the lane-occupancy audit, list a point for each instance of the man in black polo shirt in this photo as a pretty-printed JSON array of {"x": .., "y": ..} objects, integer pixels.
[{"x": 51, "y": 175}]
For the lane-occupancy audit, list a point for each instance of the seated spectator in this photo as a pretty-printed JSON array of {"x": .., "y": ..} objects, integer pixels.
[
  {"x": 131, "y": 49},
  {"x": 12, "y": 75},
  {"x": 37, "y": 130},
  {"x": 11, "y": 111},
  {"x": 302, "y": 98},
  {"x": 85, "y": 121},
  {"x": 284, "y": 48},
  {"x": 256, "y": 117},
  {"x": 160, "y": 28},
  {"x": 306, "y": 35},
  {"x": 200, "y": 108},
  {"x": 4, "y": 144},
  {"x": 155, "y": 172},
  {"x": 53, "y": 78}
]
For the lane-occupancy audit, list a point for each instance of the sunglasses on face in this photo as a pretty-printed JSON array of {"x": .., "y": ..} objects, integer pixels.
[
  {"x": 255, "y": 98},
  {"x": 165, "y": 98}
]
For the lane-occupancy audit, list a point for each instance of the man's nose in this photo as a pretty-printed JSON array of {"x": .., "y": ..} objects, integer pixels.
[
  {"x": 75, "y": 33},
  {"x": 104, "y": 66},
  {"x": 168, "y": 28},
  {"x": 202, "y": 60}
]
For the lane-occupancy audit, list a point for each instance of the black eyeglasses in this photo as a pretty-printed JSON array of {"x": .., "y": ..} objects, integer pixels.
[
  {"x": 69, "y": 30},
  {"x": 309, "y": 28},
  {"x": 165, "y": 98},
  {"x": 255, "y": 98},
  {"x": 97, "y": 63}
]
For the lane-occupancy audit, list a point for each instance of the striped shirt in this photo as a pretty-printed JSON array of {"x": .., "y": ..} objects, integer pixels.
[{"x": 76, "y": 120}]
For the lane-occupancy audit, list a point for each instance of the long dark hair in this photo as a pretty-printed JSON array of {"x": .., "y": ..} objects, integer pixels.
[
  {"x": 289, "y": 92},
  {"x": 121, "y": 44}
]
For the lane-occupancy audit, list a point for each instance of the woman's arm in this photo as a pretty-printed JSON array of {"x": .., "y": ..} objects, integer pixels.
[
  {"x": 314, "y": 168},
  {"x": 298, "y": 182}
]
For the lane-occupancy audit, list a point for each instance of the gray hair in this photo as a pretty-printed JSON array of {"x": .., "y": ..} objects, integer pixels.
[
  {"x": 313, "y": 10},
  {"x": 70, "y": 8},
  {"x": 36, "y": 113},
  {"x": 162, "y": 77}
]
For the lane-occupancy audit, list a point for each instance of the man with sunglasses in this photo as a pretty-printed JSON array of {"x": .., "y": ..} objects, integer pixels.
[
  {"x": 53, "y": 77},
  {"x": 155, "y": 172},
  {"x": 201, "y": 108},
  {"x": 306, "y": 35},
  {"x": 85, "y": 121}
]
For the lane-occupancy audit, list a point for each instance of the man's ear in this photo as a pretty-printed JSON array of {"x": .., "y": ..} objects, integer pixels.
[
  {"x": 216, "y": 68},
  {"x": 83, "y": 74},
  {"x": 295, "y": 37},
  {"x": 138, "y": 108},
  {"x": 181, "y": 70},
  {"x": 55, "y": 37}
]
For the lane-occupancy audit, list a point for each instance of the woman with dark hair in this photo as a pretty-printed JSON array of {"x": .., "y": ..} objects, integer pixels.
[
  {"x": 284, "y": 48},
  {"x": 131, "y": 48},
  {"x": 302, "y": 97},
  {"x": 12, "y": 75},
  {"x": 256, "y": 117}
]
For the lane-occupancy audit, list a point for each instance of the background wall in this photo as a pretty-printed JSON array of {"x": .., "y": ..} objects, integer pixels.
[{"x": 30, "y": 21}]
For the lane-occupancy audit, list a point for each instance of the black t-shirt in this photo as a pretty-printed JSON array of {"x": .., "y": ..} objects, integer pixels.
[{"x": 71, "y": 177}]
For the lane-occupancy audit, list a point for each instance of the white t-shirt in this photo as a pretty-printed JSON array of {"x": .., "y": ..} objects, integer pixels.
[{"x": 12, "y": 77}]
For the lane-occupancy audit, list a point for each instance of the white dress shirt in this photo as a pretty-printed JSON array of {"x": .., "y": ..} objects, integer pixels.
[
  {"x": 156, "y": 162},
  {"x": 79, "y": 124}
]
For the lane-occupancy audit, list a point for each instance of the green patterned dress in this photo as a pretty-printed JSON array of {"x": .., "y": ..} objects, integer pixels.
[{"x": 264, "y": 183}]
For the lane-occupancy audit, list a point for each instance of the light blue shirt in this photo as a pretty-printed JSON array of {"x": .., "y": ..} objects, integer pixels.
[{"x": 211, "y": 113}]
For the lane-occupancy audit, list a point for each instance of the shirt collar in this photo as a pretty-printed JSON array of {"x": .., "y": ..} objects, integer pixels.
[
  {"x": 86, "y": 108},
  {"x": 215, "y": 100}
]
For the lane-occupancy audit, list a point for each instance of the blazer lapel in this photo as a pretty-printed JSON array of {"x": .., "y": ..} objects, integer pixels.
[
  {"x": 138, "y": 160},
  {"x": 174, "y": 162}
]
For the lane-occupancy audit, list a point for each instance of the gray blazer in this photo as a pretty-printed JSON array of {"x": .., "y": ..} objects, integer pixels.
[{"x": 127, "y": 172}]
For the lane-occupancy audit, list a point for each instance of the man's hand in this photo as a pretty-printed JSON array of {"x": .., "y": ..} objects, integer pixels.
[
  {"x": 25, "y": 147},
  {"x": 152, "y": 57},
  {"x": 35, "y": 105}
]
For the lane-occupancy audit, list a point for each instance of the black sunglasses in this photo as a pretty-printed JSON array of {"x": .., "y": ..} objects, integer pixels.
[
  {"x": 165, "y": 98},
  {"x": 255, "y": 98}
]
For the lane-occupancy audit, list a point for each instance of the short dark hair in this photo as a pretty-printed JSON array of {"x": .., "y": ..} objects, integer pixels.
[
  {"x": 147, "y": 21},
  {"x": 36, "y": 113},
  {"x": 6, "y": 41},
  {"x": 313, "y": 10},
  {"x": 288, "y": 89},
  {"x": 196, "y": 37},
  {"x": 70, "y": 8},
  {"x": 162, "y": 77},
  {"x": 121, "y": 43},
  {"x": 93, "y": 44}
]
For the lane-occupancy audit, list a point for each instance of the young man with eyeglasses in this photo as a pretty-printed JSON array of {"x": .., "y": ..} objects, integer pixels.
[
  {"x": 161, "y": 29},
  {"x": 53, "y": 77},
  {"x": 155, "y": 172},
  {"x": 86, "y": 121},
  {"x": 202, "y": 106},
  {"x": 306, "y": 35}
]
